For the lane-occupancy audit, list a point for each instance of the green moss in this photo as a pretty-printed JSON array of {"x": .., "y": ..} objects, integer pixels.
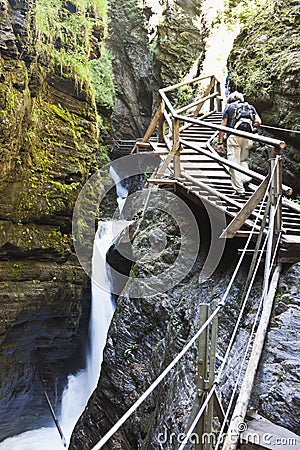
[
  {"x": 65, "y": 34},
  {"x": 17, "y": 269},
  {"x": 266, "y": 52},
  {"x": 242, "y": 11},
  {"x": 102, "y": 79}
]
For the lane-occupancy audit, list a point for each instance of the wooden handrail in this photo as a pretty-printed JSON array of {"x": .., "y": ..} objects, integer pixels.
[
  {"x": 286, "y": 189},
  {"x": 168, "y": 105},
  {"x": 184, "y": 83},
  {"x": 252, "y": 136},
  {"x": 196, "y": 103}
]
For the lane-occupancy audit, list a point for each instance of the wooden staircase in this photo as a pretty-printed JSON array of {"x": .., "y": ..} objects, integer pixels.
[{"x": 207, "y": 180}]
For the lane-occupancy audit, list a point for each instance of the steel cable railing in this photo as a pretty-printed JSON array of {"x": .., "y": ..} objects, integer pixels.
[
  {"x": 221, "y": 303},
  {"x": 233, "y": 337},
  {"x": 158, "y": 380}
]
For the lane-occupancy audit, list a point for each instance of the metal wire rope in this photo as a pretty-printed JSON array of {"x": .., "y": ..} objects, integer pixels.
[
  {"x": 213, "y": 389},
  {"x": 165, "y": 372},
  {"x": 252, "y": 331},
  {"x": 252, "y": 279},
  {"x": 217, "y": 379}
]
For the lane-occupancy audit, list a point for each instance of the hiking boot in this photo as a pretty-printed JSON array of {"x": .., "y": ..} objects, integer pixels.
[
  {"x": 246, "y": 184},
  {"x": 238, "y": 194}
]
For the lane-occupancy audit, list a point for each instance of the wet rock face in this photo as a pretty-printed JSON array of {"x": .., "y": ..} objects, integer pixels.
[
  {"x": 276, "y": 392},
  {"x": 152, "y": 46},
  {"x": 144, "y": 336},
  {"x": 128, "y": 43},
  {"x": 147, "y": 333},
  {"x": 264, "y": 64},
  {"x": 48, "y": 143},
  {"x": 44, "y": 311}
]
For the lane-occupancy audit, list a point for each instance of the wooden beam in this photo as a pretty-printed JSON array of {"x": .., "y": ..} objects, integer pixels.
[
  {"x": 245, "y": 233},
  {"x": 202, "y": 372},
  {"x": 176, "y": 148},
  {"x": 160, "y": 181},
  {"x": 184, "y": 83},
  {"x": 257, "y": 176},
  {"x": 240, "y": 410},
  {"x": 246, "y": 211},
  {"x": 196, "y": 103},
  {"x": 165, "y": 164},
  {"x": 262, "y": 434},
  {"x": 153, "y": 124}
]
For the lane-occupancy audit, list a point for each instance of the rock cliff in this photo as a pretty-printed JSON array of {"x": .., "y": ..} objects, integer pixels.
[
  {"x": 264, "y": 64},
  {"x": 153, "y": 44},
  {"x": 147, "y": 333},
  {"x": 49, "y": 143}
]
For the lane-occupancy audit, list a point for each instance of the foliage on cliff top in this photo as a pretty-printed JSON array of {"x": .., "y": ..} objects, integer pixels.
[
  {"x": 242, "y": 11},
  {"x": 72, "y": 34}
]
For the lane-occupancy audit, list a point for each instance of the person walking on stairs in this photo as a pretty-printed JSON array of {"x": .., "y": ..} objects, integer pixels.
[{"x": 242, "y": 116}]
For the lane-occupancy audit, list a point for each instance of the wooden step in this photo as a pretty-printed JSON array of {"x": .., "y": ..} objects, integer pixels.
[{"x": 201, "y": 165}]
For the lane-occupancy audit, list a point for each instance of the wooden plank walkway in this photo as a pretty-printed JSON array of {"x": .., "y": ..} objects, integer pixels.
[
  {"x": 201, "y": 176},
  {"x": 261, "y": 434}
]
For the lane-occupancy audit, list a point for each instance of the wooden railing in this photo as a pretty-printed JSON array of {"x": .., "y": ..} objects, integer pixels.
[
  {"x": 167, "y": 114},
  {"x": 170, "y": 122}
]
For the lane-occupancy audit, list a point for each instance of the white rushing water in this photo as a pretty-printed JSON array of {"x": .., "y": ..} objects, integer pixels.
[
  {"x": 81, "y": 385},
  {"x": 122, "y": 191}
]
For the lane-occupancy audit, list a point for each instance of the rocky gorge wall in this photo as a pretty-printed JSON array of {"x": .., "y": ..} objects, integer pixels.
[
  {"x": 49, "y": 139},
  {"x": 264, "y": 64},
  {"x": 153, "y": 44},
  {"x": 148, "y": 332}
]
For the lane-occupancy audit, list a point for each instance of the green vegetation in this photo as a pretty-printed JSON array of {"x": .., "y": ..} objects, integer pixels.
[
  {"x": 102, "y": 80},
  {"x": 71, "y": 34},
  {"x": 265, "y": 53},
  {"x": 242, "y": 11},
  {"x": 129, "y": 353}
]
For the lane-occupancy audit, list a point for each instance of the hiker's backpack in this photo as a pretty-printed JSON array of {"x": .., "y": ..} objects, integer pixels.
[{"x": 243, "y": 117}]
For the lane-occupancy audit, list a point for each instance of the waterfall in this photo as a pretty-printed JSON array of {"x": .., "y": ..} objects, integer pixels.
[
  {"x": 81, "y": 385},
  {"x": 122, "y": 191}
]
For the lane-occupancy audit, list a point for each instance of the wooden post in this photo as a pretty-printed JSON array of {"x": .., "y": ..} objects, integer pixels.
[
  {"x": 277, "y": 189},
  {"x": 176, "y": 148},
  {"x": 202, "y": 381},
  {"x": 256, "y": 250},
  {"x": 161, "y": 123},
  {"x": 212, "y": 100},
  {"x": 239, "y": 413}
]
